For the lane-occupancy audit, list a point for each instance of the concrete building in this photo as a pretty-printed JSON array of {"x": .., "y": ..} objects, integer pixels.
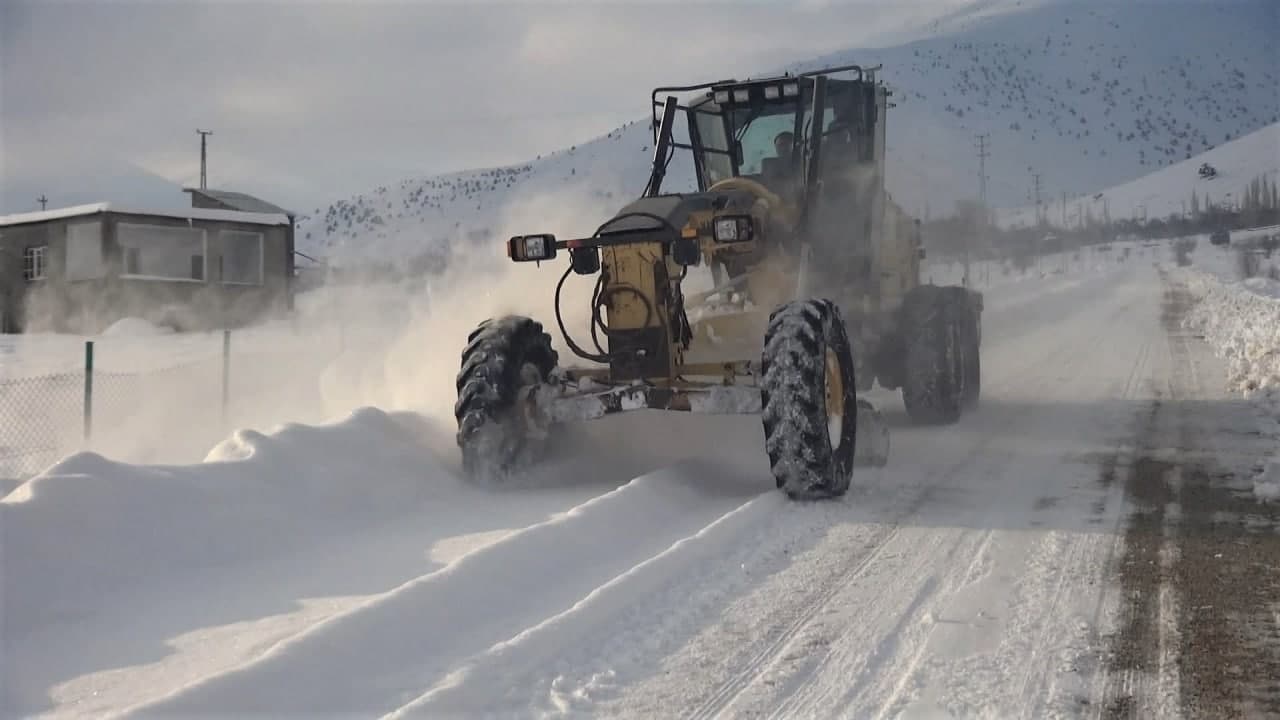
[{"x": 79, "y": 269}]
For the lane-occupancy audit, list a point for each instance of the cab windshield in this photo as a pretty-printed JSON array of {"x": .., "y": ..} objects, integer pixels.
[
  {"x": 757, "y": 128},
  {"x": 755, "y": 131},
  {"x": 744, "y": 140}
]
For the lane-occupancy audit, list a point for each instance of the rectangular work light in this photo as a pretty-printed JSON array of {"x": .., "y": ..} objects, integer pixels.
[{"x": 532, "y": 248}]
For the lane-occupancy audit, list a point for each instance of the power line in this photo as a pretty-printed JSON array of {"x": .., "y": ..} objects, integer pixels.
[{"x": 204, "y": 134}]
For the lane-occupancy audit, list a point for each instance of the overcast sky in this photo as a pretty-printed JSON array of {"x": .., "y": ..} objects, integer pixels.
[{"x": 312, "y": 101}]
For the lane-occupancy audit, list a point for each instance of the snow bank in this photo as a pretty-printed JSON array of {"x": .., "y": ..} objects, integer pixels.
[
  {"x": 1243, "y": 326},
  {"x": 134, "y": 327},
  {"x": 1241, "y": 321},
  {"x": 89, "y": 526},
  {"x": 1265, "y": 287}
]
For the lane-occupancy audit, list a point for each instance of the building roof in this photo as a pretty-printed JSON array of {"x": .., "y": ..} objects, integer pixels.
[
  {"x": 253, "y": 218},
  {"x": 239, "y": 200}
]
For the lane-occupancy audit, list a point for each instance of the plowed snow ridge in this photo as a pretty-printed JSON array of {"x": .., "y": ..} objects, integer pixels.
[{"x": 480, "y": 600}]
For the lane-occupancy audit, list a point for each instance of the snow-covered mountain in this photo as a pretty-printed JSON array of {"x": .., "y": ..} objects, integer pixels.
[
  {"x": 1086, "y": 95},
  {"x": 1174, "y": 190}
]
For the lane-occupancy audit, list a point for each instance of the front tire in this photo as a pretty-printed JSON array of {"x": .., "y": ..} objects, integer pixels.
[
  {"x": 809, "y": 403},
  {"x": 505, "y": 360}
]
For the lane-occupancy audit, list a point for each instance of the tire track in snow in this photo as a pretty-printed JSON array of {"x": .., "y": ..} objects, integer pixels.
[
  {"x": 1058, "y": 558},
  {"x": 1035, "y": 690},
  {"x": 968, "y": 577},
  {"x": 467, "y": 690},
  {"x": 1041, "y": 609},
  {"x": 381, "y": 655},
  {"x": 727, "y": 692},
  {"x": 889, "y": 666},
  {"x": 1090, "y": 556},
  {"x": 886, "y": 670},
  {"x": 846, "y": 576}
]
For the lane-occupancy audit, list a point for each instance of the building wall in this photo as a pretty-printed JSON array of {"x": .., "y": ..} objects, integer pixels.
[
  {"x": 13, "y": 286},
  {"x": 88, "y": 305}
]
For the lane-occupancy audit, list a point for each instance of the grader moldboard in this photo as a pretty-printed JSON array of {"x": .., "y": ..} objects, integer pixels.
[{"x": 790, "y": 215}]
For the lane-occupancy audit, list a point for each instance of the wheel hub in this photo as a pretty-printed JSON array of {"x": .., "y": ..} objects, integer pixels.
[{"x": 834, "y": 398}]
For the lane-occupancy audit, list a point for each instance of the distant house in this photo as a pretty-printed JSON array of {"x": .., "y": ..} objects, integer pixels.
[{"x": 79, "y": 269}]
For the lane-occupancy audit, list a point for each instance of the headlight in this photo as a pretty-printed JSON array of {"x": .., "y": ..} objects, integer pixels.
[
  {"x": 726, "y": 230},
  {"x": 791, "y": 89},
  {"x": 741, "y": 95},
  {"x": 772, "y": 92},
  {"x": 732, "y": 229},
  {"x": 532, "y": 248},
  {"x": 722, "y": 97}
]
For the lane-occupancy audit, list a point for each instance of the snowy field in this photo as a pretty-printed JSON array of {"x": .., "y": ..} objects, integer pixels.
[{"x": 993, "y": 568}]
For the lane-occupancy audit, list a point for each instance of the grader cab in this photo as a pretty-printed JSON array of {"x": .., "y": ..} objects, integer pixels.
[{"x": 815, "y": 293}]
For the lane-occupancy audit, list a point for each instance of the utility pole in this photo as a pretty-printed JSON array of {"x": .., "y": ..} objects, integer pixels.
[
  {"x": 44, "y": 201},
  {"x": 1064, "y": 209},
  {"x": 1035, "y": 179},
  {"x": 982, "y": 195},
  {"x": 204, "y": 178},
  {"x": 1040, "y": 219}
]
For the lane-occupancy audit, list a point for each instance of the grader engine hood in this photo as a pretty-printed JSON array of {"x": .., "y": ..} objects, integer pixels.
[{"x": 675, "y": 212}]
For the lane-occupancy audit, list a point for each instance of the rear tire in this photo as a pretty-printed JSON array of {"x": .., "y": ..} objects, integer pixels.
[
  {"x": 971, "y": 338},
  {"x": 932, "y": 389},
  {"x": 505, "y": 360},
  {"x": 809, "y": 403}
]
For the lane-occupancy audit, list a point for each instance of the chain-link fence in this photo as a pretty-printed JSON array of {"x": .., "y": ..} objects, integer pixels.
[
  {"x": 147, "y": 403},
  {"x": 41, "y": 417}
]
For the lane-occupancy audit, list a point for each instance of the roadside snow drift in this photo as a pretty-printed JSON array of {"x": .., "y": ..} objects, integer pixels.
[
  {"x": 1241, "y": 321},
  {"x": 1244, "y": 326},
  {"x": 90, "y": 526}
]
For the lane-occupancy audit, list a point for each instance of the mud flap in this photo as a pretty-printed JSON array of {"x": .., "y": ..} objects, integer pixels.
[{"x": 871, "y": 446}]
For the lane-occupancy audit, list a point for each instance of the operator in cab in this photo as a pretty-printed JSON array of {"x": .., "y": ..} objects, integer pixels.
[{"x": 778, "y": 172}]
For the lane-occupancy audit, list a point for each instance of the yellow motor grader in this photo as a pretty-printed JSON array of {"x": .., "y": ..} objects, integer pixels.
[{"x": 815, "y": 293}]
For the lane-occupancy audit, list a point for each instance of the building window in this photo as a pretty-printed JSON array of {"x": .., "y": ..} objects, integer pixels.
[
  {"x": 84, "y": 251},
  {"x": 241, "y": 257},
  {"x": 35, "y": 262},
  {"x": 162, "y": 252}
]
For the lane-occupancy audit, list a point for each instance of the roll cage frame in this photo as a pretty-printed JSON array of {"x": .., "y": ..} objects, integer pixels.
[{"x": 813, "y": 96}]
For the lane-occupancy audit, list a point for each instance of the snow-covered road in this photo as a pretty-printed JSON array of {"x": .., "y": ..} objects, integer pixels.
[{"x": 1044, "y": 557}]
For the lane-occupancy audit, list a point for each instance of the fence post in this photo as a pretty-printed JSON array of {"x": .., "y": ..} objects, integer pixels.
[
  {"x": 88, "y": 391},
  {"x": 226, "y": 374}
]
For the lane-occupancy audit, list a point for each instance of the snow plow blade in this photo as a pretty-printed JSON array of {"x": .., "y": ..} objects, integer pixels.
[{"x": 871, "y": 447}]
